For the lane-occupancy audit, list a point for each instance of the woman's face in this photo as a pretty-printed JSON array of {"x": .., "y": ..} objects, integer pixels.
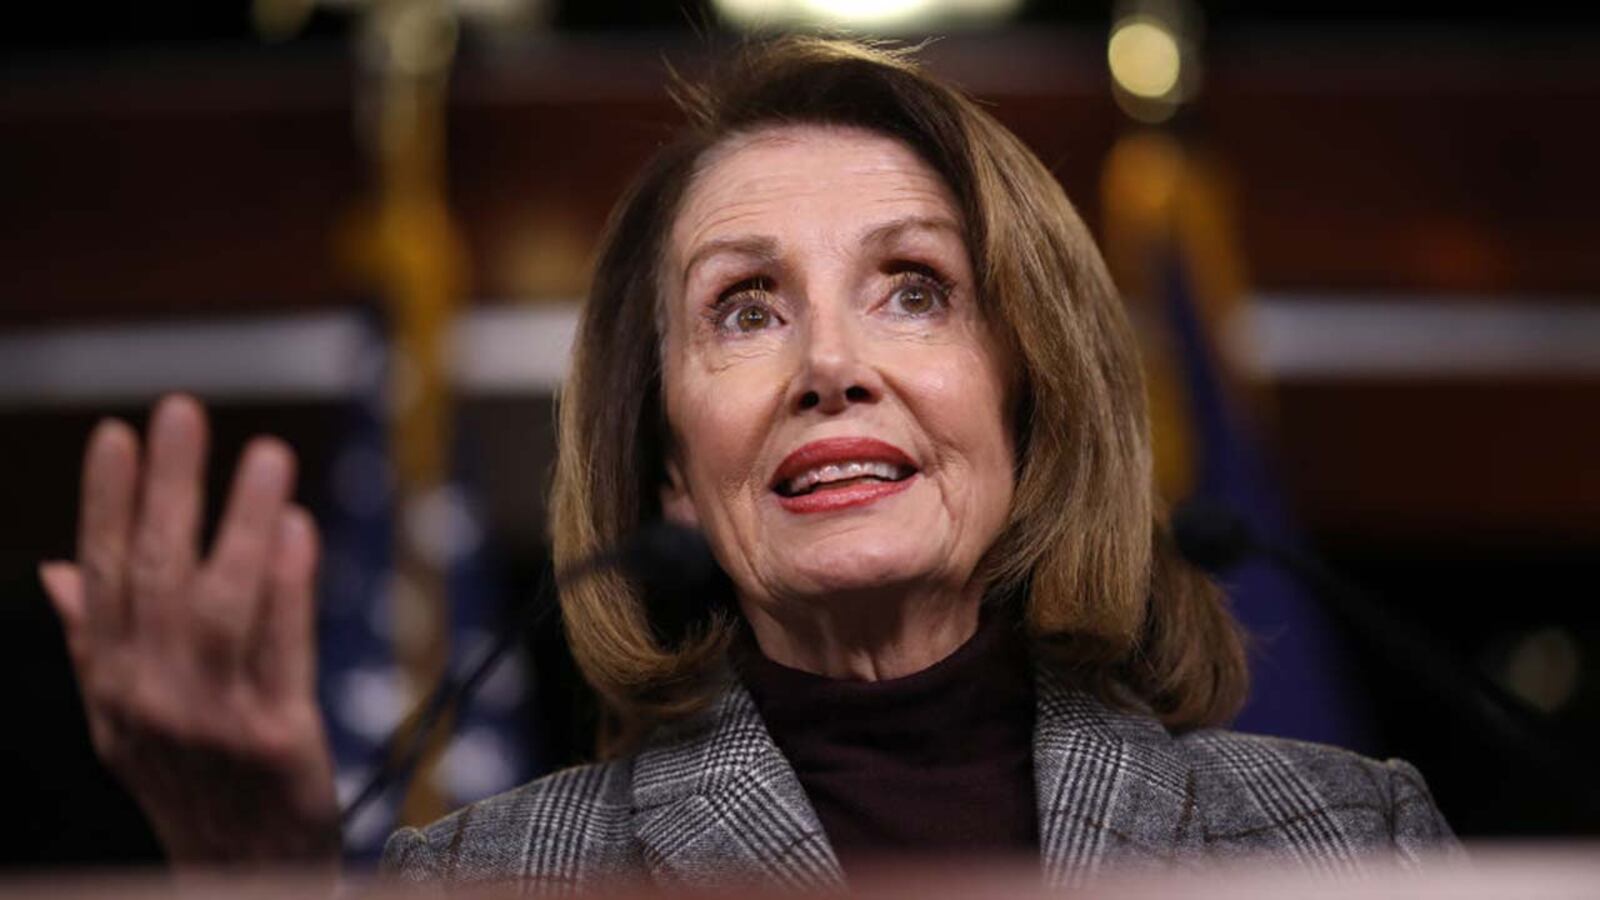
[{"x": 838, "y": 406}]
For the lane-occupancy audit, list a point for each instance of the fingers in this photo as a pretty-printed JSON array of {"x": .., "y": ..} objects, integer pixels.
[
  {"x": 235, "y": 578},
  {"x": 110, "y": 476},
  {"x": 287, "y": 660},
  {"x": 164, "y": 543}
]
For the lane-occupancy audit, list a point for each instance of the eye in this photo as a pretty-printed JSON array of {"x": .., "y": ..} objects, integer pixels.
[
  {"x": 919, "y": 291},
  {"x": 745, "y": 308},
  {"x": 750, "y": 317}
]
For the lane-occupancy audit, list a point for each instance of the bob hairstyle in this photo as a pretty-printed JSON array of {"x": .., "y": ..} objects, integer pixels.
[{"x": 1084, "y": 553}]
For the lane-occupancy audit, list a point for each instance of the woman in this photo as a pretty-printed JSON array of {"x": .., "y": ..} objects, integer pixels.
[{"x": 850, "y": 328}]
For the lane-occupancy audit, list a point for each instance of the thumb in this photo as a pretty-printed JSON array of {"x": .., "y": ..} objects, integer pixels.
[{"x": 63, "y": 584}]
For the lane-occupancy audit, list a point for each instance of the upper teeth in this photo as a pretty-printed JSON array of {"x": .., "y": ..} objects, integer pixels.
[{"x": 841, "y": 472}]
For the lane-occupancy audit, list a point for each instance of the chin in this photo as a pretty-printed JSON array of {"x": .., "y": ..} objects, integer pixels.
[{"x": 849, "y": 564}]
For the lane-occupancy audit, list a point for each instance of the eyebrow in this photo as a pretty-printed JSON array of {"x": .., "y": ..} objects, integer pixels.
[
  {"x": 765, "y": 247},
  {"x": 760, "y": 247},
  {"x": 888, "y": 231}
]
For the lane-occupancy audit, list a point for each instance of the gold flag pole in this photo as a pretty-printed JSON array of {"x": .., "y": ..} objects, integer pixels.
[
  {"x": 1159, "y": 199},
  {"x": 411, "y": 248},
  {"x": 403, "y": 241}
]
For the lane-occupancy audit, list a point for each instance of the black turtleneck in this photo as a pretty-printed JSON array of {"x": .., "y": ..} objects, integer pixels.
[{"x": 939, "y": 762}]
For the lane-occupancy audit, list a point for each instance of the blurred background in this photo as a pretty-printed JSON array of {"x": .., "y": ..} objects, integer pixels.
[{"x": 1360, "y": 241}]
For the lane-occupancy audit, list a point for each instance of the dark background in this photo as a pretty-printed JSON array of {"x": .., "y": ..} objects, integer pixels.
[{"x": 160, "y": 162}]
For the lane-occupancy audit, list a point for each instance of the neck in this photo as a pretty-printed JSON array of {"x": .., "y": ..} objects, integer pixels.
[{"x": 863, "y": 638}]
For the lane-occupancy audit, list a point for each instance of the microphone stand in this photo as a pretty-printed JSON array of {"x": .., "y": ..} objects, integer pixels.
[
  {"x": 402, "y": 750},
  {"x": 657, "y": 554},
  {"x": 1214, "y": 538}
]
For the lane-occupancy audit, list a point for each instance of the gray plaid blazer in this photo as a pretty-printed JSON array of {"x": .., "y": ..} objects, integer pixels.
[{"x": 713, "y": 801}]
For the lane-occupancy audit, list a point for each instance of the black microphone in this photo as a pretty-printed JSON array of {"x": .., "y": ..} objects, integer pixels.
[
  {"x": 1216, "y": 538},
  {"x": 661, "y": 557},
  {"x": 1211, "y": 536},
  {"x": 670, "y": 556},
  {"x": 658, "y": 556}
]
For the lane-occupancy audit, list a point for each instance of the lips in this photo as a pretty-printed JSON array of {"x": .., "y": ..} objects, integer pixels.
[{"x": 841, "y": 472}]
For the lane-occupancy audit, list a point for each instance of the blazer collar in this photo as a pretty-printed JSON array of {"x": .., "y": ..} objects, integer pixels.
[
  {"x": 715, "y": 801},
  {"x": 1112, "y": 788}
]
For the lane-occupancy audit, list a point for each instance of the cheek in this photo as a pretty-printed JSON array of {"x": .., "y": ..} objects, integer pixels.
[
  {"x": 967, "y": 391},
  {"x": 720, "y": 423},
  {"x": 967, "y": 406},
  {"x": 986, "y": 448}
]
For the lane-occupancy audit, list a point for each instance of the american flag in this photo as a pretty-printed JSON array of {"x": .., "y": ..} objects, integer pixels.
[{"x": 364, "y": 690}]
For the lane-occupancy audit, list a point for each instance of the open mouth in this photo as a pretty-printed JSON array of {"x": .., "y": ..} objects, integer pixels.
[
  {"x": 831, "y": 476},
  {"x": 838, "y": 472}
]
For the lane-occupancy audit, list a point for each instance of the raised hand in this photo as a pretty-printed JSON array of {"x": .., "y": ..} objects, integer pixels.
[{"x": 198, "y": 674}]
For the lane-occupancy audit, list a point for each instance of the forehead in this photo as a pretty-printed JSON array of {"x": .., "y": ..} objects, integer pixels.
[{"x": 783, "y": 176}]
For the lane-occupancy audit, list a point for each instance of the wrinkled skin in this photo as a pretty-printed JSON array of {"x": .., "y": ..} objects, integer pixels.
[
  {"x": 819, "y": 287},
  {"x": 198, "y": 672}
]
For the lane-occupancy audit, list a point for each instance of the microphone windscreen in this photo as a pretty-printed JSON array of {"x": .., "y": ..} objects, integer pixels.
[
  {"x": 664, "y": 555},
  {"x": 1210, "y": 535}
]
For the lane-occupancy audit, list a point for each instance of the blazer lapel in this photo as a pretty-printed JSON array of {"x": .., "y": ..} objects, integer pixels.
[
  {"x": 1111, "y": 788},
  {"x": 716, "y": 802}
]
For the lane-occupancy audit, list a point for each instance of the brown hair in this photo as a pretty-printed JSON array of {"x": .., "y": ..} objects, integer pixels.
[{"x": 1106, "y": 596}]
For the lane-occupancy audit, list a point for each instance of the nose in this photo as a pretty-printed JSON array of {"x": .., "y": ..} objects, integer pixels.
[{"x": 835, "y": 372}]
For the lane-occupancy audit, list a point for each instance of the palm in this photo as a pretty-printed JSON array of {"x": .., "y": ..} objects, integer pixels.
[{"x": 198, "y": 674}]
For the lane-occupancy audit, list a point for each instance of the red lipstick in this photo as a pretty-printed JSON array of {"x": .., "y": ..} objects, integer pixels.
[{"x": 841, "y": 450}]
